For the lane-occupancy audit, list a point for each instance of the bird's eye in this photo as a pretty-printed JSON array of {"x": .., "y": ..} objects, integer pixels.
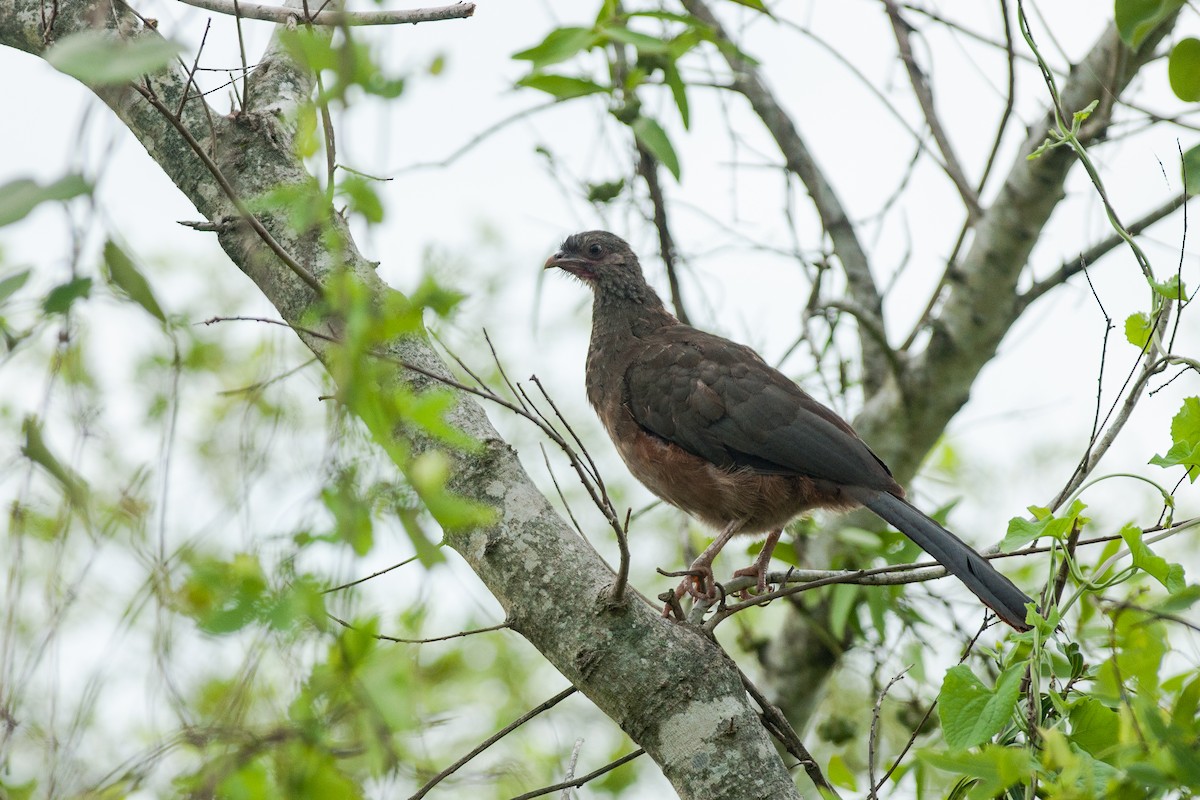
[{"x": 595, "y": 250}]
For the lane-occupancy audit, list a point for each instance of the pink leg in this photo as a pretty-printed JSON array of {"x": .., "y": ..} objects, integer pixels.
[
  {"x": 701, "y": 587},
  {"x": 759, "y": 568}
]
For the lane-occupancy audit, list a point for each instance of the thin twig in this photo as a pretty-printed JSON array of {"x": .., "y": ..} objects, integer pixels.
[
  {"x": 874, "y": 737},
  {"x": 775, "y": 721},
  {"x": 253, "y": 221},
  {"x": 357, "y": 581},
  {"x": 618, "y": 587},
  {"x": 924, "y": 94},
  {"x": 491, "y": 740},
  {"x": 580, "y": 781}
]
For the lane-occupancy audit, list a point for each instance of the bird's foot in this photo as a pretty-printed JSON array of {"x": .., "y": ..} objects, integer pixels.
[
  {"x": 757, "y": 571},
  {"x": 698, "y": 583}
]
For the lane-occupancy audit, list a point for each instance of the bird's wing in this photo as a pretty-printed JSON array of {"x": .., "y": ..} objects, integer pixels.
[{"x": 722, "y": 402}]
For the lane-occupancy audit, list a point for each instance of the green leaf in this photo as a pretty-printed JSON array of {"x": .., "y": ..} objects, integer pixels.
[
  {"x": 840, "y": 775},
  {"x": 995, "y": 768},
  {"x": 559, "y": 45},
  {"x": 1138, "y": 329},
  {"x": 970, "y": 712},
  {"x": 654, "y": 138},
  {"x": 561, "y": 86},
  {"x": 1169, "y": 575},
  {"x": 1136, "y": 19},
  {"x": 1172, "y": 288},
  {"x": 1183, "y": 70},
  {"x": 19, "y": 197},
  {"x": 605, "y": 192},
  {"x": 125, "y": 275},
  {"x": 12, "y": 283},
  {"x": 1185, "y": 437},
  {"x": 644, "y": 43},
  {"x": 1022, "y": 531},
  {"x": 757, "y": 5},
  {"x": 678, "y": 92},
  {"x": 98, "y": 58},
  {"x": 363, "y": 198},
  {"x": 1191, "y": 170},
  {"x": 37, "y": 451},
  {"x": 1095, "y": 727},
  {"x": 60, "y": 298}
]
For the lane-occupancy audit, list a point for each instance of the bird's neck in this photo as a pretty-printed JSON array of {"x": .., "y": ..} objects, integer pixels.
[{"x": 628, "y": 313}]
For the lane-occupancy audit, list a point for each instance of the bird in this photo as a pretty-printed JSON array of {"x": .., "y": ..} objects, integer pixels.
[{"x": 711, "y": 428}]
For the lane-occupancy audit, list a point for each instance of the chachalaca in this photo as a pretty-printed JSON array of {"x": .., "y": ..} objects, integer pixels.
[{"x": 710, "y": 427}]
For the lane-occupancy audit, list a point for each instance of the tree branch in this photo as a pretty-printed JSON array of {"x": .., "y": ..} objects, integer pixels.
[
  {"x": 836, "y": 222},
  {"x": 281, "y": 14}
]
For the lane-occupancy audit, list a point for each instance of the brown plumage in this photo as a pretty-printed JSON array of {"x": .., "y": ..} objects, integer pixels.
[{"x": 711, "y": 428}]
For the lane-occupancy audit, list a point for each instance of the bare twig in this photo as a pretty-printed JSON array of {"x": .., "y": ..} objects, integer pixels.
[
  {"x": 778, "y": 724},
  {"x": 618, "y": 587},
  {"x": 272, "y": 244},
  {"x": 281, "y": 14},
  {"x": 503, "y": 626},
  {"x": 874, "y": 737},
  {"x": 1091, "y": 255},
  {"x": 924, "y": 95},
  {"x": 834, "y": 217},
  {"x": 384, "y": 571},
  {"x": 648, "y": 169},
  {"x": 491, "y": 740},
  {"x": 580, "y": 781}
]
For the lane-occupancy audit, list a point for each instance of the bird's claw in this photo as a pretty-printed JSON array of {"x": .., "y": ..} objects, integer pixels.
[{"x": 759, "y": 573}]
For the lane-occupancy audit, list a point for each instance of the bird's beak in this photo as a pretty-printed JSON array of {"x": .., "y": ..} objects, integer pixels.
[{"x": 559, "y": 259}]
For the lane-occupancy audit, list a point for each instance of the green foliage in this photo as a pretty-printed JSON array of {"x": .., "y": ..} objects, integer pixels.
[
  {"x": 98, "y": 58},
  {"x": 973, "y": 714},
  {"x": 1185, "y": 440},
  {"x": 1136, "y": 19},
  {"x": 348, "y": 62},
  {"x": 1045, "y": 523},
  {"x": 123, "y": 274},
  {"x": 1183, "y": 70},
  {"x": 18, "y": 198}
]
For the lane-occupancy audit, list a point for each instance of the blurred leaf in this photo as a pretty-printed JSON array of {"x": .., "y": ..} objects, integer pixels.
[
  {"x": 351, "y": 513},
  {"x": 643, "y": 42},
  {"x": 559, "y": 45},
  {"x": 839, "y": 774},
  {"x": 99, "y": 58},
  {"x": 364, "y": 199},
  {"x": 1191, "y": 170},
  {"x": 1136, "y": 19},
  {"x": 125, "y": 275},
  {"x": 605, "y": 192},
  {"x": 36, "y": 450},
  {"x": 21, "y": 196},
  {"x": 654, "y": 139},
  {"x": 12, "y": 283},
  {"x": 1183, "y": 70},
  {"x": 561, "y": 86},
  {"x": 757, "y": 5},
  {"x": 970, "y": 712},
  {"x": 995, "y": 768},
  {"x": 60, "y": 298},
  {"x": 223, "y": 596},
  {"x": 1185, "y": 437},
  {"x": 678, "y": 92}
]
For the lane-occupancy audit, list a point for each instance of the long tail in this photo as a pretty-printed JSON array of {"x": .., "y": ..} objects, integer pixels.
[{"x": 959, "y": 558}]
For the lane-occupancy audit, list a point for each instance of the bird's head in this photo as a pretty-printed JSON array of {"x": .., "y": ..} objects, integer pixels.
[{"x": 602, "y": 260}]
